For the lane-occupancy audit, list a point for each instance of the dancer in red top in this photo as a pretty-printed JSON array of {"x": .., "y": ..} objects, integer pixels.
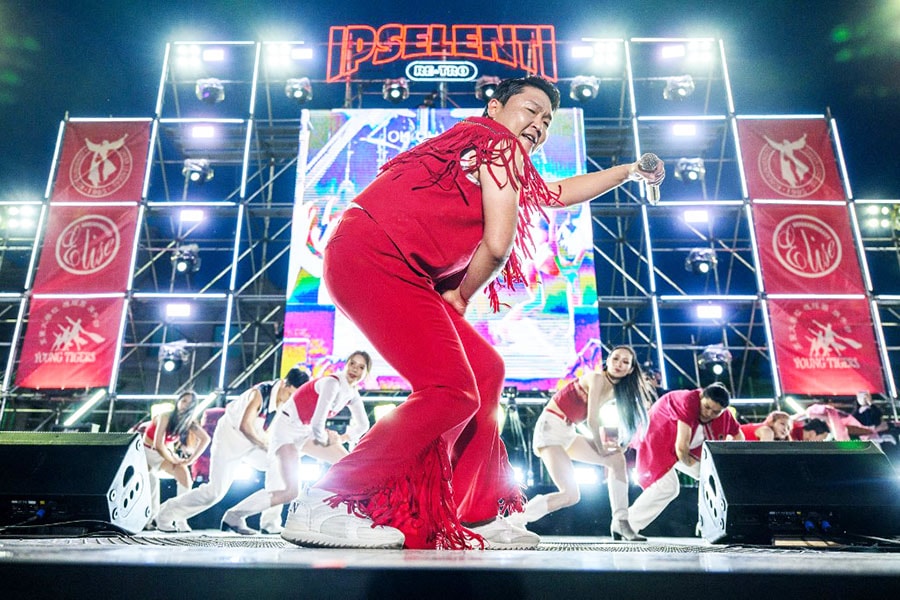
[
  {"x": 436, "y": 227},
  {"x": 619, "y": 386}
]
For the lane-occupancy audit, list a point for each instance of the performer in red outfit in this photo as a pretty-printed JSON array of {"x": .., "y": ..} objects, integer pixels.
[
  {"x": 434, "y": 228},
  {"x": 776, "y": 427},
  {"x": 680, "y": 422}
]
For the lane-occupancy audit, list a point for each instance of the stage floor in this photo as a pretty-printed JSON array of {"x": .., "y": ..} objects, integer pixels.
[{"x": 224, "y": 565}]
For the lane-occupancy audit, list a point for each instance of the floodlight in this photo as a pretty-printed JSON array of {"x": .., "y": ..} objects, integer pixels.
[
  {"x": 584, "y": 88},
  {"x": 485, "y": 86},
  {"x": 701, "y": 261},
  {"x": 173, "y": 355},
  {"x": 715, "y": 358},
  {"x": 186, "y": 258},
  {"x": 209, "y": 90},
  {"x": 395, "y": 90},
  {"x": 299, "y": 89},
  {"x": 678, "y": 88},
  {"x": 197, "y": 170},
  {"x": 690, "y": 169}
]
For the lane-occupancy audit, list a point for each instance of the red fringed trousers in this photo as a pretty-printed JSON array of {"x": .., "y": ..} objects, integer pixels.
[{"x": 437, "y": 460}]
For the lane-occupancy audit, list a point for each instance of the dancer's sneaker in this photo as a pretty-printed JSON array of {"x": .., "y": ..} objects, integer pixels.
[
  {"x": 182, "y": 526},
  {"x": 313, "y": 522},
  {"x": 272, "y": 530},
  {"x": 237, "y": 524},
  {"x": 500, "y": 534}
]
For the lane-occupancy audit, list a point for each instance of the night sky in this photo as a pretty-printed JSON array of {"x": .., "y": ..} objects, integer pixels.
[{"x": 103, "y": 58}]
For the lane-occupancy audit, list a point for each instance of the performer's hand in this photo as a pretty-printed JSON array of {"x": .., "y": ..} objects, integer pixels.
[
  {"x": 333, "y": 437},
  {"x": 654, "y": 177},
  {"x": 455, "y": 299}
]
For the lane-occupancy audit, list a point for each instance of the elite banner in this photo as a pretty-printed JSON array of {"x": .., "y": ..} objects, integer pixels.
[
  {"x": 102, "y": 161},
  {"x": 807, "y": 249},
  {"x": 87, "y": 249},
  {"x": 825, "y": 347},
  {"x": 789, "y": 159},
  {"x": 70, "y": 342}
]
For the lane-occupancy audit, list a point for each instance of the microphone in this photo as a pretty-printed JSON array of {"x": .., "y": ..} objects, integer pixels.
[{"x": 648, "y": 164}]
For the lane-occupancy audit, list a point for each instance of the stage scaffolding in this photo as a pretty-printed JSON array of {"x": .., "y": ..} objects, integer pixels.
[{"x": 647, "y": 295}]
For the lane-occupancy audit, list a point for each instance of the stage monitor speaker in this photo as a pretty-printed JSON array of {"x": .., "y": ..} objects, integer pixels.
[
  {"x": 71, "y": 482},
  {"x": 756, "y": 492}
]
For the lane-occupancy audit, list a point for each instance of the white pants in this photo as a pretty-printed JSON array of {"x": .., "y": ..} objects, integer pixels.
[
  {"x": 659, "y": 495},
  {"x": 228, "y": 450}
]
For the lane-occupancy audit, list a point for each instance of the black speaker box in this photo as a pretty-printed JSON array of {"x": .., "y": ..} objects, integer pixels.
[
  {"x": 72, "y": 481},
  {"x": 756, "y": 492}
]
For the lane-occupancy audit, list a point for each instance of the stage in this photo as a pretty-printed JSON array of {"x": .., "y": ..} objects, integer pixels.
[{"x": 224, "y": 565}]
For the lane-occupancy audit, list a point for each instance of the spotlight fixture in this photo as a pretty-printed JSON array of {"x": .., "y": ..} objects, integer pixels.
[
  {"x": 197, "y": 170},
  {"x": 299, "y": 90},
  {"x": 690, "y": 169},
  {"x": 678, "y": 88},
  {"x": 701, "y": 261},
  {"x": 173, "y": 355},
  {"x": 210, "y": 90},
  {"x": 485, "y": 86},
  {"x": 186, "y": 258},
  {"x": 715, "y": 358},
  {"x": 395, "y": 90},
  {"x": 584, "y": 88}
]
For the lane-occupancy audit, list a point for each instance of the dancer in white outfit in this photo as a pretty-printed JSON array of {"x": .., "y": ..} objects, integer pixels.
[
  {"x": 300, "y": 430},
  {"x": 241, "y": 436}
]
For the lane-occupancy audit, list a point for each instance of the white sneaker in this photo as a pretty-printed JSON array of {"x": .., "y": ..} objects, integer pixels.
[
  {"x": 182, "y": 526},
  {"x": 235, "y": 523},
  {"x": 313, "y": 522},
  {"x": 500, "y": 534},
  {"x": 517, "y": 519},
  {"x": 272, "y": 530}
]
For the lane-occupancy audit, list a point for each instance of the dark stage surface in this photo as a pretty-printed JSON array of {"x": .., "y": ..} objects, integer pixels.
[{"x": 210, "y": 564}]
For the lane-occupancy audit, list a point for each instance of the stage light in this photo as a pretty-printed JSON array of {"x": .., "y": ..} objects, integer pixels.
[
  {"x": 299, "y": 90},
  {"x": 173, "y": 355},
  {"x": 92, "y": 400},
  {"x": 213, "y": 55},
  {"x": 395, "y": 90},
  {"x": 709, "y": 311},
  {"x": 192, "y": 215},
  {"x": 684, "y": 130},
  {"x": 203, "y": 132},
  {"x": 485, "y": 86},
  {"x": 690, "y": 170},
  {"x": 18, "y": 219},
  {"x": 209, "y": 90},
  {"x": 310, "y": 472},
  {"x": 584, "y": 88},
  {"x": 186, "y": 258},
  {"x": 587, "y": 476},
  {"x": 178, "y": 310},
  {"x": 678, "y": 88},
  {"x": 197, "y": 170},
  {"x": 715, "y": 358},
  {"x": 696, "y": 216},
  {"x": 701, "y": 261}
]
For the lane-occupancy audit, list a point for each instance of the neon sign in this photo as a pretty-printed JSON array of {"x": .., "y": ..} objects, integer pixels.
[
  {"x": 437, "y": 70},
  {"x": 530, "y": 48}
]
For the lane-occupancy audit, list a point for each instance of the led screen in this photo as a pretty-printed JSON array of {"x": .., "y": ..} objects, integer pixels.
[{"x": 546, "y": 330}]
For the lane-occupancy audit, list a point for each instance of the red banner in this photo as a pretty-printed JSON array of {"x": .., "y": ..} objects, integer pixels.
[
  {"x": 806, "y": 249},
  {"x": 101, "y": 161},
  {"x": 825, "y": 347},
  {"x": 87, "y": 249},
  {"x": 789, "y": 159},
  {"x": 70, "y": 343}
]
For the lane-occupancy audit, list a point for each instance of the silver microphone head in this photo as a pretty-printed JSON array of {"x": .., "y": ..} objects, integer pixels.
[{"x": 648, "y": 162}]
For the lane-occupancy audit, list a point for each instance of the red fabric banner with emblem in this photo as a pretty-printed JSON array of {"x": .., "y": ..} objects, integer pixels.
[
  {"x": 102, "y": 161},
  {"x": 825, "y": 347},
  {"x": 789, "y": 159},
  {"x": 807, "y": 249},
  {"x": 70, "y": 343},
  {"x": 87, "y": 249}
]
